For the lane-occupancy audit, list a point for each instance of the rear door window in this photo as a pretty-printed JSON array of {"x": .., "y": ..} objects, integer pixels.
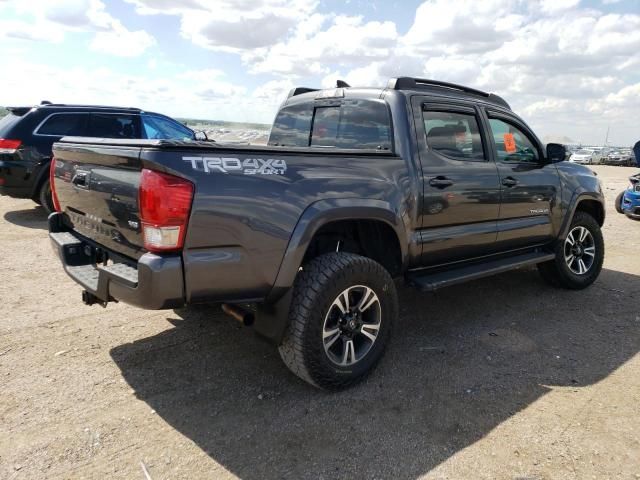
[
  {"x": 454, "y": 135},
  {"x": 104, "y": 125},
  {"x": 62, "y": 124}
]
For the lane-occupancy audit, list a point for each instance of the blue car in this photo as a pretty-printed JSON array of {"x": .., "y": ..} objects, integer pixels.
[{"x": 628, "y": 202}]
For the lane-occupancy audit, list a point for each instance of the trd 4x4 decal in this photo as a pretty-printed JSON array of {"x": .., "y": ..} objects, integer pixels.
[{"x": 248, "y": 166}]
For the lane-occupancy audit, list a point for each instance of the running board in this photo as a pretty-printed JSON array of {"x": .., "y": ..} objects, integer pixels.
[{"x": 430, "y": 281}]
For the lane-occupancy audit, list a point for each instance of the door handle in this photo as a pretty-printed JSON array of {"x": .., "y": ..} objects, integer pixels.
[
  {"x": 440, "y": 182},
  {"x": 509, "y": 182}
]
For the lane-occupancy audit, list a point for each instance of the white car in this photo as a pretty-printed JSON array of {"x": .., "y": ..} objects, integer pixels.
[{"x": 589, "y": 157}]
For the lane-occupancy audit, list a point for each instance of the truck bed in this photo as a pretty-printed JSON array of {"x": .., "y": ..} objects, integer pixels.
[{"x": 247, "y": 201}]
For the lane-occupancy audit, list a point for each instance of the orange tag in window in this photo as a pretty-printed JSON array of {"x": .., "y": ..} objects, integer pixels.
[{"x": 509, "y": 143}]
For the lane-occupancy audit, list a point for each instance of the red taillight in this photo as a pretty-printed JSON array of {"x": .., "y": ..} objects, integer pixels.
[
  {"x": 165, "y": 202},
  {"x": 52, "y": 185},
  {"x": 9, "y": 146}
]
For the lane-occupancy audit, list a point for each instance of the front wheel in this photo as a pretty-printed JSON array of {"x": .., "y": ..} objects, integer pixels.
[
  {"x": 579, "y": 256},
  {"x": 341, "y": 317}
]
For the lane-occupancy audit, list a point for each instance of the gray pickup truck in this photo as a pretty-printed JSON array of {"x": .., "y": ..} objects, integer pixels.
[{"x": 425, "y": 181}]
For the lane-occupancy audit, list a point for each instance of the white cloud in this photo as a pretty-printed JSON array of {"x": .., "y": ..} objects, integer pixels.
[
  {"x": 556, "y": 6},
  {"x": 123, "y": 43},
  {"x": 231, "y": 25},
  {"x": 50, "y": 20},
  {"x": 568, "y": 67},
  {"x": 206, "y": 94},
  {"x": 346, "y": 40},
  {"x": 39, "y": 31}
]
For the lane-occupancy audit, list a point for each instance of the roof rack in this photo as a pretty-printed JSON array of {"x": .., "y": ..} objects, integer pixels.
[{"x": 410, "y": 83}]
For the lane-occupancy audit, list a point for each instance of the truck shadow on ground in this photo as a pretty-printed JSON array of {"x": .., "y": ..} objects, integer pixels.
[
  {"x": 461, "y": 362},
  {"x": 35, "y": 217}
]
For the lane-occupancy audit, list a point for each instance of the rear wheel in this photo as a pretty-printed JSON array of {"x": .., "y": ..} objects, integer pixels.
[
  {"x": 579, "y": 256},
  {"x": 44, "y": 197},
  {"x": 341, "y": 317}
]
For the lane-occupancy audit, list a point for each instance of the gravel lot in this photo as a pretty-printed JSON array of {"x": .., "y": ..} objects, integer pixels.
[{"x": 499, "y": 378}]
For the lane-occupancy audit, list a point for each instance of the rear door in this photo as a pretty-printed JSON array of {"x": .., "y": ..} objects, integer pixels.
[
  {"x": 530, "y": 186},
  {"x": 461, "y": 193}
]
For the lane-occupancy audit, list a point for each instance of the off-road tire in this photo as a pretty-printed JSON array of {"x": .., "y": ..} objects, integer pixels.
[
  {"x": 618, "y": 203},
  {"x": 44, "y": 197},
  {"x": 557, "y": 272},
  {"x": 316, "y": 287}
]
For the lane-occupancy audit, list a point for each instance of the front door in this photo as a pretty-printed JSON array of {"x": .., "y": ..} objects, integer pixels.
[
  {"x": 530, "y": 186},
  {"x": 461, "y": 188}
]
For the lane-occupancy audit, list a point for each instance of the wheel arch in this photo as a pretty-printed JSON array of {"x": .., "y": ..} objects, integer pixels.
[
  {"x": 589, "y": 202},
  {"x": 324, "y": 213},
  {"x": 43, "y": 175}
]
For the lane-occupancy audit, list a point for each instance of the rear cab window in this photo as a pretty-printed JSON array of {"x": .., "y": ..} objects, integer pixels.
[{"x": 349, "y": 124}]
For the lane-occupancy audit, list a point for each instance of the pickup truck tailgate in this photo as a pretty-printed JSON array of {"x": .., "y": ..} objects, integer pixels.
[{"x": 97, "y": 189}]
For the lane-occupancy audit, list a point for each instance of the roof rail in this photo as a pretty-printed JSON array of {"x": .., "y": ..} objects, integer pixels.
[
  {"x": 410, "y": 83},
  {"x": 106, "y": 107},
  {"x": 300, "y": 90}
]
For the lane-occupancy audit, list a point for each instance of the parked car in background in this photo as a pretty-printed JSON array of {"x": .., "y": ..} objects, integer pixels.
[
  {"x": 28, "y": 133},
  {"x": 620, "y": 158},
  {"x": 584, "y": 156},
  {"x": 628, "y": 201}
]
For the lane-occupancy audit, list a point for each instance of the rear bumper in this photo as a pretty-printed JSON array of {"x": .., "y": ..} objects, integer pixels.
[
  {"x": 17, "y": 178},
  {"x": 154, "y": 283},
  {"x": 16, "y": 192}
]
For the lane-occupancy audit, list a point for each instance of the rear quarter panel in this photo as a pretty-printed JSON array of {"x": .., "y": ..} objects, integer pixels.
[{"x": 241, "y": 223}]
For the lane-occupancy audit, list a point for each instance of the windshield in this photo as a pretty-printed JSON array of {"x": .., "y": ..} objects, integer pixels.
[
  {"x": 159, "y": 128},
  {"x": 584, "y": 152}
]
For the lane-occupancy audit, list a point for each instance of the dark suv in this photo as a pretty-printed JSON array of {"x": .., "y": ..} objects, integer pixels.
[{"x": 28, "y": 133}]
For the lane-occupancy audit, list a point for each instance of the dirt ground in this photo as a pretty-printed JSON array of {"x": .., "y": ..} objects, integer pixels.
[{"x": 501, "y": 378}]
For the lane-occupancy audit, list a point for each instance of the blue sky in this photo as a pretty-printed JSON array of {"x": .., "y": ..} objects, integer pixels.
[{"x": 569, "y": 67}]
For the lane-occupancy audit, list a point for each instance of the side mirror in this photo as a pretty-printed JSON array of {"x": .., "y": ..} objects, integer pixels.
[
  {"x": 200, "y": 136},
  {"x": 556, "y": 153}
]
